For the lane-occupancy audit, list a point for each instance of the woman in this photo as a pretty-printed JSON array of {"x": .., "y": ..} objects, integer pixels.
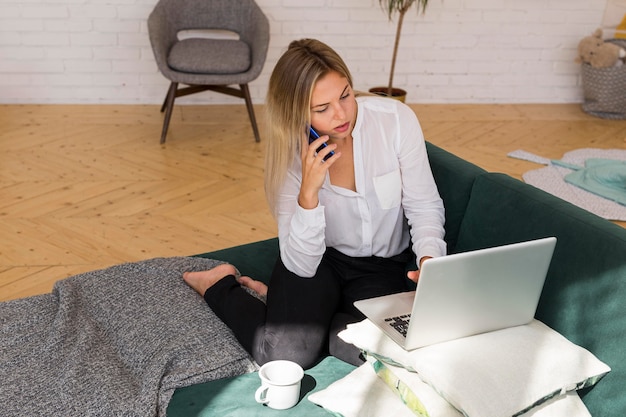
[{"x": 347, "y": 213}]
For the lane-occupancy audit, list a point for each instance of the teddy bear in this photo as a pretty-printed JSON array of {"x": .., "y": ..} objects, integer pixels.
[{"x": 599, "y": 54}]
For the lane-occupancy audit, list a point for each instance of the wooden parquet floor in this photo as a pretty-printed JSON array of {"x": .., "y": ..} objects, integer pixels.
[{"x": 87, "y": 187}]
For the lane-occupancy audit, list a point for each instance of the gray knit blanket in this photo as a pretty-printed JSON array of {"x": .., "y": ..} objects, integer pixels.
[{"x": 114, "y": 342}]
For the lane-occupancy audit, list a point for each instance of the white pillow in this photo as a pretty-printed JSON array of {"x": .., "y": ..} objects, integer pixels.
[
  {"x": 567, "y": 405},
  {"x": 494, "y": 374},
  {"x": 362, "y": 393},
  {"x": 370, "y": 339}
]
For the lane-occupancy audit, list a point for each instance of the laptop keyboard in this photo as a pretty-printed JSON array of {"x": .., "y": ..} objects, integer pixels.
[{"x": 400, "y": 323}]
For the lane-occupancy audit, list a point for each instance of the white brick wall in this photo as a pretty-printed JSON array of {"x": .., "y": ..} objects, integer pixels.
[{"x": 474, "y": 51}]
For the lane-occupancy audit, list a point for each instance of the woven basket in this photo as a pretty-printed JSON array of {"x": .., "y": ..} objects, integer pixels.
[{"x": 604, "y": 89}]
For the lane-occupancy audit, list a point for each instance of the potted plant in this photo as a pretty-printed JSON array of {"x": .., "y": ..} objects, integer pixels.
[{"x": 400, "y": 7}]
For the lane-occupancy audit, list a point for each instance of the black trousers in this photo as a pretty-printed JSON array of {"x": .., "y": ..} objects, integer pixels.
[{"x": 302, "y": 316}]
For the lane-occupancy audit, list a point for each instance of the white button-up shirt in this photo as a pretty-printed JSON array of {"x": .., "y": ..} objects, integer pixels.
[{"x": 396, "y": 198}]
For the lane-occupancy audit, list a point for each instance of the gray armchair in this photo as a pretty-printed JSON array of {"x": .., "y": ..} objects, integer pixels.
[{"x": 208, "y": 64}]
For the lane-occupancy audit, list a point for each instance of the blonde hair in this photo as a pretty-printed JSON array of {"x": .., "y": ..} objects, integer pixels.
[{"x": 288, "y": 108}]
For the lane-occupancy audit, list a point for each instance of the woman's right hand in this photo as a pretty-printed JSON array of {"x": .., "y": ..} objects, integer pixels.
[{"x": 314, "y": 169}]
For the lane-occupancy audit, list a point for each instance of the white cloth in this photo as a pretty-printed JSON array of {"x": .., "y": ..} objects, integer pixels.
[
  {"x": 363, "y": 394},
  {"x": 567, "y": 405},
  {"x": 394, "y": 184},
  {"x": 493, "y": 374}
]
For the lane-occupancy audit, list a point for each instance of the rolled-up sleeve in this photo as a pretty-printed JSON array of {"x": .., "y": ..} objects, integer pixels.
[{"x": 300, "y": 231}]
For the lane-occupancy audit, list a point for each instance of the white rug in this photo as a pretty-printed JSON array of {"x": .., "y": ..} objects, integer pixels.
[{"x": 550, "y": 179}]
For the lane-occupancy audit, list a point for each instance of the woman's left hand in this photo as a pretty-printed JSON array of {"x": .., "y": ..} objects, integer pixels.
[{"x": 415, "y": 275}]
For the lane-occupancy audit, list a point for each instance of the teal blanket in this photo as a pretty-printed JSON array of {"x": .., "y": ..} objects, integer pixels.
[{"x": 234, "y": 397}]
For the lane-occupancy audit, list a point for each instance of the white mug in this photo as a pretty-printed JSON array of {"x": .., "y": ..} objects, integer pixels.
[{"x": 280, "y": 384}]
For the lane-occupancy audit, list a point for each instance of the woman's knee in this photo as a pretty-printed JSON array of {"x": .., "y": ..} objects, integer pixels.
[
  {"x": 299, "y": 344},
  {"x": 337, "y": 347}
]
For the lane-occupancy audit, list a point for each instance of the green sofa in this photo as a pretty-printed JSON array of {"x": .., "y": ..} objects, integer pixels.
[{"x": 584, "y": 297}]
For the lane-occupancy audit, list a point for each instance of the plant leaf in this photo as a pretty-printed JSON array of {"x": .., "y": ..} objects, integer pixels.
[{"x": 401, "y": 6}]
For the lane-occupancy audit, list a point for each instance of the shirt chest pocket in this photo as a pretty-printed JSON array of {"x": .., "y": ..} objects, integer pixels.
[{"x": 388, "y": 189}]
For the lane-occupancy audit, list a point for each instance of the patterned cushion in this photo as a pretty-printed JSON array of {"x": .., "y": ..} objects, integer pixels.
[{"x": 210, "y": 56}]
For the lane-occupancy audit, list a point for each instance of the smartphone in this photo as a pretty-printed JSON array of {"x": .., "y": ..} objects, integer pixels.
[{"x": 313, "y": 135}]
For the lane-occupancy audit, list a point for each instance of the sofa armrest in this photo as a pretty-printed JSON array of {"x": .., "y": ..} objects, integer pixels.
[{"x": 455, "y": 178}]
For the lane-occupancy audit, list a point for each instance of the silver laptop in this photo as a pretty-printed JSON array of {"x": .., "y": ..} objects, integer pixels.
[{"x": 466, "y": 294}]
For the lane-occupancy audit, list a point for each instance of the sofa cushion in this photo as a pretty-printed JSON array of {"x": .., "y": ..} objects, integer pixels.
[
  {"x": 584, "y": 290},
  {"x": 210, "y": 56},
  {"x": 454, "y": 177}
]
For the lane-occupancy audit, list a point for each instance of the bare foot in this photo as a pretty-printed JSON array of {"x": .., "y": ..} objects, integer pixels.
[
  {"x": 256, "y": 286},
  {"x": 203, "y": 280}
]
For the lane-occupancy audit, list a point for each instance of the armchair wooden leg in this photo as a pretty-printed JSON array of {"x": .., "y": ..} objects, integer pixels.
[
  {"x": 168, "y": 106},
  {"x": 248, "y": 99}
]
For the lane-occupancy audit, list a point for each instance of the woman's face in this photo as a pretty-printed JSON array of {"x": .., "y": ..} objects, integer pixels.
[{"x": 333, "y": 106}]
